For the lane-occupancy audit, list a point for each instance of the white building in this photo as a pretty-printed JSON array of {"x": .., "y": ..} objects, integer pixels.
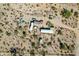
[
  {"x": 33, "y": 23},
  {"x": 46, "y": 30},
  {"x": 31, "y": 26},
  {"x": 42, "y": 30}
]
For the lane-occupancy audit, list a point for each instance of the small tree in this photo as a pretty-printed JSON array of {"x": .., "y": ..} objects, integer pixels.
[
  {"x": 66, "y": 13},
  {"x": 13, "y": 51}
]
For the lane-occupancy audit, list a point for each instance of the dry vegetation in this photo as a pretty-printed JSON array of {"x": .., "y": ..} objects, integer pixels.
[{"x": 17, "y": 40}]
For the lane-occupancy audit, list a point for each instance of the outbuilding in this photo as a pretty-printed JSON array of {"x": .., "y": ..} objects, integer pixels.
[{"x": 46, "y": 30}]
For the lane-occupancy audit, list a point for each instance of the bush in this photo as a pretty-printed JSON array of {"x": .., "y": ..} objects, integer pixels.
[
  {"x": 76, "y": 14},
  {"x": 1, "y": 31},
  {"x": 49, "y": 24},
  {"x": 13, "y": 51},
  {"x": 66, "y": 13},
  {"x": 32, "y": 53},
  {"x": 8, "y": 33},
  {"x": 33, "y": 44}
]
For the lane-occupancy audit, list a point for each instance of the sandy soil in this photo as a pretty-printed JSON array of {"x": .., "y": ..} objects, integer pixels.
[{"x": 66, "y": 30}]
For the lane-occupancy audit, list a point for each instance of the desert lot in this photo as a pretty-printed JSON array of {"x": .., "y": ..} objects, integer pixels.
[{"x": 17, "y": 39}]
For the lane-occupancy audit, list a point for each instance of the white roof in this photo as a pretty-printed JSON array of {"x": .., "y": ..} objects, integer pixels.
[
  {"x": 47, "y": 31},
  {"x": 41, "y": 41},
  {"x": 31, "y": 27}
]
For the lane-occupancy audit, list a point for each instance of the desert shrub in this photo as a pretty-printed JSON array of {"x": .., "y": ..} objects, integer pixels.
[{"x": 65, "y": 13}]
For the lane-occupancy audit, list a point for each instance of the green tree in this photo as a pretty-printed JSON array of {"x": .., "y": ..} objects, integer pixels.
[{"x": 66, "y": 13}]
